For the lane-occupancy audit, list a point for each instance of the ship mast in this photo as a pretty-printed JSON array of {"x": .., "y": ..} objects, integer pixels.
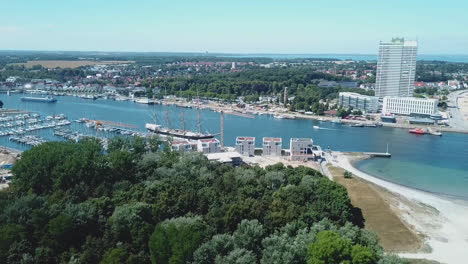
[
  {"x": 198, "y": 115},
  {"x": 182, "y": 120},
  {"x": 167, "y": 120}
]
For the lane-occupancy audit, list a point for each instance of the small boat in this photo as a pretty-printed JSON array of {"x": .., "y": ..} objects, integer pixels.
[
  {"x": 316, "y": 127},
  {"x": 357, "y": 125},
  {"x": 417, "y": 131},
  {"x": 278, "y": 116},
  {"x": 48, "y": 99},
  {"x": 336, "y": 121},
  {"x": 433, "y": 132}
]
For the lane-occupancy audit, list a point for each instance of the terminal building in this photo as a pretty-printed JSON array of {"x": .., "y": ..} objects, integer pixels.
[
  {"x": 209, "y": 145},
  {"x": 365, "y": 103},
  {"x": 245, "y": 146},
  {"x": 409, "y": 106},
  {"x": 272, "y": 146},
  {"x": 301, "y": 149}
]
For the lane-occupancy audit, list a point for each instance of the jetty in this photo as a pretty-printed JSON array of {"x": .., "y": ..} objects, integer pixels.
[{"x": 378, "y": 154}]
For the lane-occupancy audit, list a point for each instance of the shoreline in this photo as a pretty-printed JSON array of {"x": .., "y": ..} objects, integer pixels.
[
  {"x": 441, "y": 220},
  {"x": 363, "y": 157}
]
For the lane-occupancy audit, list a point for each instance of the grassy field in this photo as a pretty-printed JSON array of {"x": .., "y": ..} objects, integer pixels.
[
  {"x": 394, "y": 235},
  {"x": 66, "y": 64}
]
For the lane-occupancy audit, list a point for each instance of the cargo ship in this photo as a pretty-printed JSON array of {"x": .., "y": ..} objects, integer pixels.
[
  {"x": 179, "y": 133},
  {"x": 48, "y": 99}
]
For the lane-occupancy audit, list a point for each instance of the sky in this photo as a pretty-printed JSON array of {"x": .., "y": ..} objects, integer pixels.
[{"x": 233, "y": 26}]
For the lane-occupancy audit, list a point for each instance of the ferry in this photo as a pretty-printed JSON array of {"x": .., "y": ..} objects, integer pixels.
[
  {"x": 48, "y": 99},
  {"x": 179, "y": 133},
  {"x": 417, "y": 131}
]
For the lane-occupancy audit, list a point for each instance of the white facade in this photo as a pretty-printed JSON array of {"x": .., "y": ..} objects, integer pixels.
[
  {"x": 396, "y": 68},
  {"x": 245, "y": 146},
  {"x": 182, "y": 145},
  {"x": 301, "y": 149},
  {"x": 209, "y": 145},
  {"x": 272, "y": 146},
  {"x": 365, "y": 103},
  {"x": 409, "y": 105}
]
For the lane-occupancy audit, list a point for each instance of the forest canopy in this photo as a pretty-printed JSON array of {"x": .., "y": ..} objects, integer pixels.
[{"x": 138, "y": 203}]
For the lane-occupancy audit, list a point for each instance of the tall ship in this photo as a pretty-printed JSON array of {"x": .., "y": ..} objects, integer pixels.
[
  {"x": 179, "y": 133},
  {"x": 48, "y": 99}
]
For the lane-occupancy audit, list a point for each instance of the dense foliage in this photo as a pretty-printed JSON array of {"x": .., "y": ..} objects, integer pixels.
[{"x": 135, "y": 203}]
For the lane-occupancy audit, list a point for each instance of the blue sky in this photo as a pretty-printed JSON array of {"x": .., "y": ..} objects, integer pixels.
[{"x": 254, "y": 26}]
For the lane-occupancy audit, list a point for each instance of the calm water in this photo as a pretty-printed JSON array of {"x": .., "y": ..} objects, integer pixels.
[{"x": 435, "y": 164}]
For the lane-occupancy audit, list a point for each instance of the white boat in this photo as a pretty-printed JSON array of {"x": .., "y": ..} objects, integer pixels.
[
  {"x": 316, "y": 127},
  {"x": 278, "y": 116}
]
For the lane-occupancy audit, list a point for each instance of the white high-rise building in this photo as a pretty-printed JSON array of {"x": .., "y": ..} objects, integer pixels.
[{"x": 396, "y": 68}]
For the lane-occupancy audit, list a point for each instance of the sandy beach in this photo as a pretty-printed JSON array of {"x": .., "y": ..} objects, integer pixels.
[{"x": 442, "y": 221}]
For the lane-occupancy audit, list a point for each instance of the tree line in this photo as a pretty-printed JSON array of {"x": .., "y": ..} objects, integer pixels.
[{"x": 140, "y": 202}]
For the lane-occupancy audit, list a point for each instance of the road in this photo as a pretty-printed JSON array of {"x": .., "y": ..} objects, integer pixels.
[{"x": 458, "y": 107}]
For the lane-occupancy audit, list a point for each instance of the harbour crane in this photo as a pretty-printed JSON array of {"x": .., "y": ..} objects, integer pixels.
[{"x": 222, "y": 121}]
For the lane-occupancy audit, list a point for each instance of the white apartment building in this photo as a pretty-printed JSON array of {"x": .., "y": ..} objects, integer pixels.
[
  {"x": 365, "y": 103},
  {"x": 245, "y": 146},
  {"x": 301, "y": 149},
  {"x": 209, "y": 145},
  {"x": 272, "y": 146},
  {"x": 182, "y": 145},
  {"x": 409, "y": 105},
  {"x": 396, "y": 68}
]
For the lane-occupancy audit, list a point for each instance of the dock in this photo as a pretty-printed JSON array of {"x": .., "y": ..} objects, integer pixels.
[{"x": 379, "y": 154}]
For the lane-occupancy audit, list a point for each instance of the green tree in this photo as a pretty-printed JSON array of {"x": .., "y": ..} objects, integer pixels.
[
  {"x": 329, "y": 247},
  {"x": 174, "y": 240}
]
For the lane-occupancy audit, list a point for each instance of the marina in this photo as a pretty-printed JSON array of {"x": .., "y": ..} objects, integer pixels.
[{"x": 444, "y": 155}]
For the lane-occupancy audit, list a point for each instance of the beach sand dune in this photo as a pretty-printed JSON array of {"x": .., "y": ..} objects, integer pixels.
[{"x": 442, "y": 221}]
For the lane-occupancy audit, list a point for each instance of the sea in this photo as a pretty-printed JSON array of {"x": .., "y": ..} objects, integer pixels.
[
  {"x": 429, "y": 163},
  {"x": 461, "y": 58}
]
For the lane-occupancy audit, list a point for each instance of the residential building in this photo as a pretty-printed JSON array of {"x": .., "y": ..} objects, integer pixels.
[
  {"x": 396, "y": 68},
  {"x": 409, "y": 105},
  {"x": 369, "y": 104},
  {"x": 182, "y": 145},
  {"x": 301, "y": 149},
  {"x": 245, "y": 145},
  {"x": 272, "y": 146},
  {"x": 208, "y": 145}
]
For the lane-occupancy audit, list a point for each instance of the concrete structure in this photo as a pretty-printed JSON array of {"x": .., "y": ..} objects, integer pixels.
[
  {"x": 182, "y": 145},
  {"x": 231, "y": 157},
  {"x": 245, "y": 145},
  {"x": 272, "y": 146},
  {"x": 301, "y": 149},
  {"x": 369, "y": 104},
  {"x": 409, "y": 105},
  {"x": 396, "y": 68},
  {"x": 209, "y": 145},
  {"x": 285, "y": 97}
]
